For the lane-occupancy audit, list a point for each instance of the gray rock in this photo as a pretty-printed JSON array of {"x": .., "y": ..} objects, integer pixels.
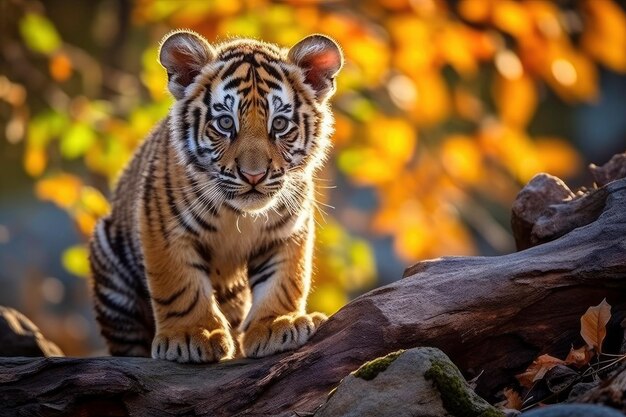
[
  {"x": 420, "y": 382},
  {"x": 20, "y": 337},
  {"x": 581, "y": 388},
  {"x": 574, "y": 410}
]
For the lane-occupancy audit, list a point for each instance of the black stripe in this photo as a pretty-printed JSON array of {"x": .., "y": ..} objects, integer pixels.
[
  {"x": 307, "y": 128},
  {"x": 169, "y": 300},
  {"x": 272, "y": 85},
  {"x": 287, "y": 305},
  {"x": 280, "y": 223},
  {"x": 114, "y": 307},
  {"x": 183, "y": 313},
  {"x": 196, "y": 217},
  {"x": 201, "y": 267},
  {"x": 234, "y": 83},
  {"x": 224, "y": 296},
  {"x": 271, "y": 71},
  {"x": 203, "y": 251},
  {"x": 171, "y": 202},
  {"x": 260, "y": 279},
  {"x": 124, "y": 340},
  {"x": 122, "y": 273}
]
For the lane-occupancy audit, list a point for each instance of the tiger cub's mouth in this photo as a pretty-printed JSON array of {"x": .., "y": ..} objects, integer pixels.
[{"x": 254, "y": 200}]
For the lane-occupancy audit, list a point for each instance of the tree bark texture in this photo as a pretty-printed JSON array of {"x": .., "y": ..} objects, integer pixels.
[{"x": 488, "y": 314}]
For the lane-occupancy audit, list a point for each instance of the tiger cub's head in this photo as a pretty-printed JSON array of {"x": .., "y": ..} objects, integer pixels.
[{"x": 251, "y": 118}]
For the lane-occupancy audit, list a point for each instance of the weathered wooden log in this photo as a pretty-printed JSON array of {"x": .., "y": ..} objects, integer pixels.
[{"x": 491, "y": 314}]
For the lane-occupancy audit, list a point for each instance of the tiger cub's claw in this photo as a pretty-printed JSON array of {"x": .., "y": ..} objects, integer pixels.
[
  {"x": 193, "y": 345},
  {"x": 280, "y": 334}
]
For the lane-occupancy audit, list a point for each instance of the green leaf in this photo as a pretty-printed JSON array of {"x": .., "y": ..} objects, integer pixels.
[
  {"x": 77, "y": 140},
  {"x": 39, "y": 33}
]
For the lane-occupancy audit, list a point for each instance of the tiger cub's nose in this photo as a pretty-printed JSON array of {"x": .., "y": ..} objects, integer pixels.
[{"x": 253, "y": 177}]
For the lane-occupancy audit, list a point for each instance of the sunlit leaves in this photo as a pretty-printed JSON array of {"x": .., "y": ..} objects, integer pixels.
[
  {"x": 605, "y": 38},
  {"x": 343, "y": 264},
  {"x": 433, "y": 107},
  {"x": 389, "y": 144},
  {"x": 39, "y": 33},
  {"x": 84, "y": 203},
  {"x": 77, "y": 140},
  {"x": 462, "y": 158},
  {"x": 516, "y": 98},
  {"x": 63, "y": 190}
]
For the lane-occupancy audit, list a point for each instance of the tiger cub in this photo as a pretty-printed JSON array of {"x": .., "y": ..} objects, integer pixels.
[{"x": 207, "y": 251}]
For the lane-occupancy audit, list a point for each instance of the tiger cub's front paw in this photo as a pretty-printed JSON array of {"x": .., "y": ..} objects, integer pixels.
[
  {"x": 280, "y": 334},
  {"x": 193, "y": 345}
]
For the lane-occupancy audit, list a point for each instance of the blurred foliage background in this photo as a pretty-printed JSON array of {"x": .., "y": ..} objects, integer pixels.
[{"x": 444, "y": 110}]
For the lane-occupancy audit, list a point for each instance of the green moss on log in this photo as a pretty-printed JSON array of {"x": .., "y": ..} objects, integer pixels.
[
  {"x": 369, "y": 370},
  {"x": 458, "y": 399}
]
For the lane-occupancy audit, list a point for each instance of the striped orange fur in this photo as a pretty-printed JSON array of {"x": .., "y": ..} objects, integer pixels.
[{"x": 207, "y": 251}]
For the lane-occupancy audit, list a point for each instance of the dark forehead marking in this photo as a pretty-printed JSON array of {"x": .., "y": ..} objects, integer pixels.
[{"x": 248, "y": 54}]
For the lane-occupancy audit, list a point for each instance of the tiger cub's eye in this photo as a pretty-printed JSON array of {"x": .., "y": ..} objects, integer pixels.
[
  {"x": 225, "y": 124},
  {"x": 279, "y": 124}
]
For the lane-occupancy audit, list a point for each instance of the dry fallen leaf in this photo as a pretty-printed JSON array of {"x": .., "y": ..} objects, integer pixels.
[
  {"x": 538, "y": 369},
  {"x": 513, "y": 399},
  {"x": 579, "y": 357},
  {"x": 593, "y": 325}
]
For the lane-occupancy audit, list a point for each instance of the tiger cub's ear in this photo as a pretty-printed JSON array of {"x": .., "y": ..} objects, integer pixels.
[
  {"x": 183, "y": 54},
  {"x": 321, "y": 59}
]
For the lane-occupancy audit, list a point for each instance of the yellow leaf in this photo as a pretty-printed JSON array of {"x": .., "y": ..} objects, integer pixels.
[
  {"x": 476, "y": 11},
  {"x": 39, "y": 33},
  {"x": 455, "y": 47},
  {"x": 604, "y": 37},
  {"x": 35, "y": 160},
  {"x": 327, "y": 298},
  {"x": 75, "y": 260},
  {"x": 77, "y": 140},
  {"x": 433, "y": 101},
  {"x": 394, "y": 138},
  {"x": 86, "y": 222},
  {"x": 516, "y": 99},
  {"x": 512, "y": 17},
  {"x": 462, "y": 159},
  {"x": 93, "y": 201},
  {"x": 593, "y": 325},
  {"x": 62, "y": 189},
  {"x": 558, "y": 157}
]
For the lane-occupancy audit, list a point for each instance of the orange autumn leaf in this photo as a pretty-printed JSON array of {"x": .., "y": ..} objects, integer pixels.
[
  {"x": 513, "y": 399},
  {"x": 60, "y": 67},
  {"x": 516, "y": 99},
  {"x": 61, "y": 189},
  {"x": 593, "y": 325},
  {"x": 579, "y": 357},
  {"x": 538, "y": 369}
]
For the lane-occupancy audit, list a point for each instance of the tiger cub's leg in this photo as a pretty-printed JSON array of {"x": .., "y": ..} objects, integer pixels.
[
  {"x": 189, "y": 325},
  {"x": 121, "y": 299},
  {"x": 233, "y": 298},
  {"x": 280, "y": 281}
]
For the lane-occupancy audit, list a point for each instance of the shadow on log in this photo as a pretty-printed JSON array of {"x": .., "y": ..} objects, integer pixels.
[{"x": 488, "y": 314}]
